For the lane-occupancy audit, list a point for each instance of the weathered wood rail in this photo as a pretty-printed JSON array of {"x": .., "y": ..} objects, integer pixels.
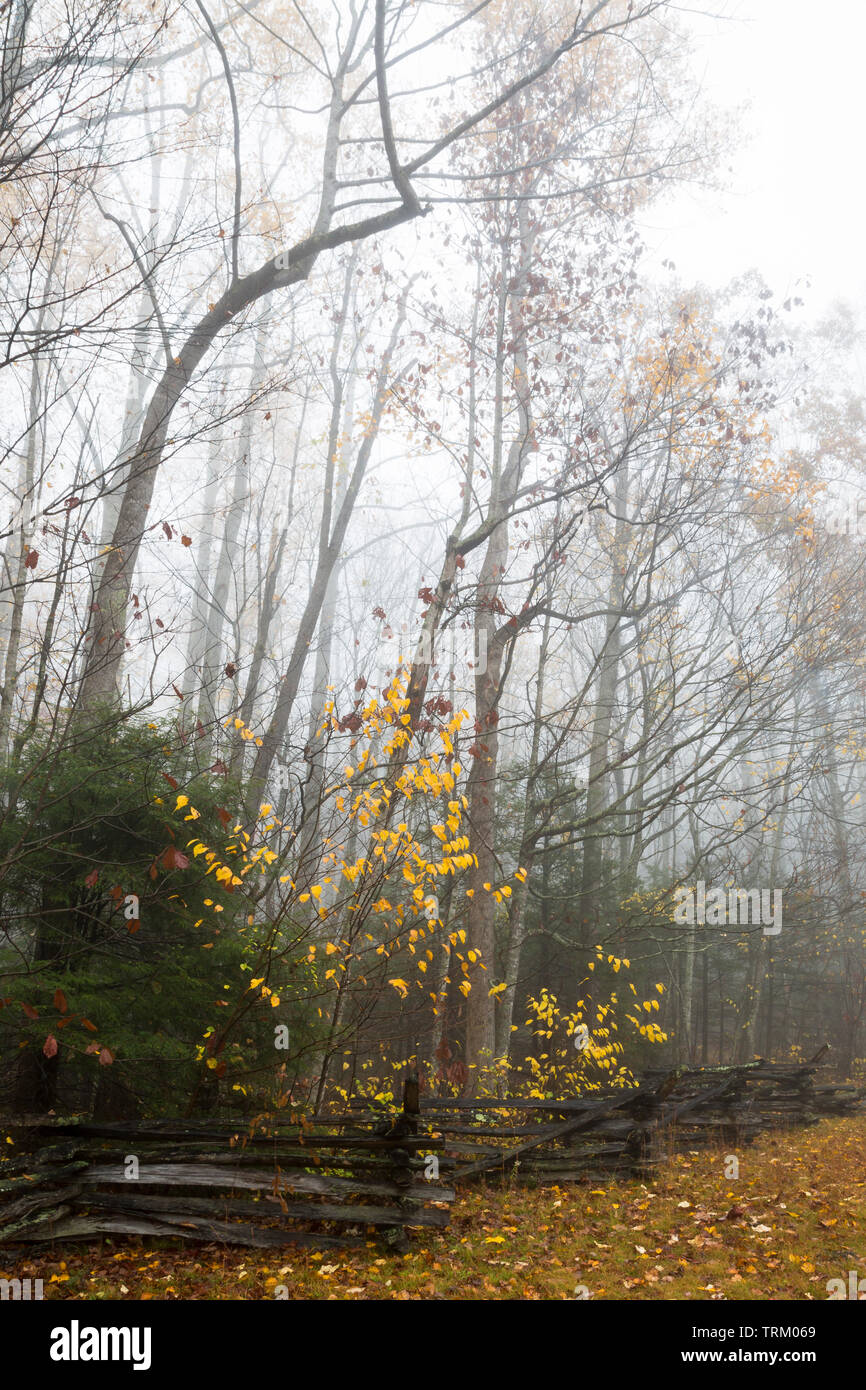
[
  {"x": 629, "y": 1132},
  {"x": 273, "y": 1185},
  {"x": 328, "y": 1181}
]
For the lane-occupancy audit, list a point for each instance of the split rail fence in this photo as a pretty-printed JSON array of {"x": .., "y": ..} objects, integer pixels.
[
  {"x": 334, "y": 1181},
  {"x": 319, "y": 1185}
]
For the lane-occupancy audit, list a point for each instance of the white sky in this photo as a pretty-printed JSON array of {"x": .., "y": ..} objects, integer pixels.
[{"x": 795, "y": 205}]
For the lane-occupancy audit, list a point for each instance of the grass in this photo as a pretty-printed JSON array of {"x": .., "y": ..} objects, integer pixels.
[{"x": 794, "y": 1218}]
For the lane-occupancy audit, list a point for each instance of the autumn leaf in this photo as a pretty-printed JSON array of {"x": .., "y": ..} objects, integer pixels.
[
  {"x": 186, "y": 540},
  {"x": 92, "y": 879},
  {"x": 49, "y": 1047},
  {"x": 105, "y": 1057},
  {"x": 32, "y": 559},
  {"x": 172, "y": 858},
  {"x": 60, "y": 1003}
]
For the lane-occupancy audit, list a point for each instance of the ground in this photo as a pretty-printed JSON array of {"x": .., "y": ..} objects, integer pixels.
[{"x": 793, "y": 1219}]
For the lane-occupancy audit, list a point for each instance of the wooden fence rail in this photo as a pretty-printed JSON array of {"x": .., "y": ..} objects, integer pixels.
[
  {"x": 328, "y": 1181},
  {"x": 628, "y": 1132},
  {"x": 277, "y": 1185}
]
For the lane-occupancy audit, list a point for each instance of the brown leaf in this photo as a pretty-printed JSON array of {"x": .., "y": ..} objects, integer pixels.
[
  {"x": 171, "y": 781},
  {"x": 92, "y": 878},
  {"x": 29, "y": 1011},
  {"x": 172, "y": 858},
  {"x": 49, "y": 1047},
  {"x": 186, "y": 540},
  {"x": 32, "y": 560},
  {"x": 60, "y": 1003},
  {"x": 105, "y": 1057},
  {"x": 85, "y": 1023}
]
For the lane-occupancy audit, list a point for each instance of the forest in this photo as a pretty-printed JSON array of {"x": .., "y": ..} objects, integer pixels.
[{"x": 431, "y": 627}]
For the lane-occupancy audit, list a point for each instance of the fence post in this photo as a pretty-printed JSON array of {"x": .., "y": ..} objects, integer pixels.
[
  {"x": 411, "y": 1102},
  {"x": 401, "y": 1159}
]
